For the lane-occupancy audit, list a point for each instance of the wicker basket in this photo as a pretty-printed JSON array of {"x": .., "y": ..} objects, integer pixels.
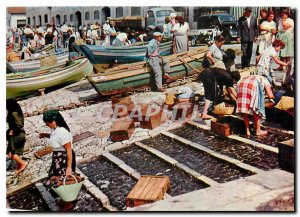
[{"x": 222, "y": 109}]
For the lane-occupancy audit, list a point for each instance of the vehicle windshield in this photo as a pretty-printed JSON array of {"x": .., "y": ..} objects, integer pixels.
[
  {"x": 163, "y": 13},
  {"x": 224, "y": 18}
]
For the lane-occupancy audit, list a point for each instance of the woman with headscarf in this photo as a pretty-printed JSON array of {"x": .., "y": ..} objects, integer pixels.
[
  {"x": 286, "y": 34},
  {"x": 63, "y": 158},
  {"x": 15, "y": 134},
  {"x": 180, "y": 39}
]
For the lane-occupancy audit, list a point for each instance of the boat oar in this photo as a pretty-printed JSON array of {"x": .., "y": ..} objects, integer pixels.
[{"x": 197, "y": 70}]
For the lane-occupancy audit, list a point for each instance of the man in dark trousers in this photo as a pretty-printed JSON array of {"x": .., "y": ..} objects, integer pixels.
[{"x": 247, "y": 34}]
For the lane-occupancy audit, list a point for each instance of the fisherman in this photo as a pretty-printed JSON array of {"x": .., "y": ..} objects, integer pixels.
[
  {"x": 121, "y": 40},
  {"x": 155, "y": 61}
]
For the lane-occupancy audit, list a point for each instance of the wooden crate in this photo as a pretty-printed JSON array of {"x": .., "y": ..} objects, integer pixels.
[
  {"x": 179, "y": 109},
  {"x": 122, "y": 129},
  {"x": 153, "y": 120},
  {"x": 286, "y": 155},
  {"x": 148, "y": 190},
  {"x": 118, "y": 100},
  {"x": 222, "y": 129}
]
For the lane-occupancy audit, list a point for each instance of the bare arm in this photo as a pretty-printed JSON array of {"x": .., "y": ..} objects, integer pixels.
[
  {"x": 232, "y": 93},
  {"x": 278, "y": 61},
  {"x": 269, "y": 92},
  {"x": 210, "y": 58},
  {"x": 68, "y": 148},
  {"x": 286, "y": 25}
]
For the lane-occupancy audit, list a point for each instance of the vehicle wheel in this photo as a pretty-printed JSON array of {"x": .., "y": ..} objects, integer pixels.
[{"x": 193, "y": 42}]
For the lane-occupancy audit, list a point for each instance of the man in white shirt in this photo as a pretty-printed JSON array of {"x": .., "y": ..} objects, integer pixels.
[
  {"x": 40, "y": 42},
  {"x": 64, "y": 30}
]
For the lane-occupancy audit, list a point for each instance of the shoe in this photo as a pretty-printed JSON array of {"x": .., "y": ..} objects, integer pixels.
[{"x": 161, "y": 90}]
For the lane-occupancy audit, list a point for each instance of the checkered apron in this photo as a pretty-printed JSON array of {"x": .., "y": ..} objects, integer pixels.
[{"x": 246, "y": 91}]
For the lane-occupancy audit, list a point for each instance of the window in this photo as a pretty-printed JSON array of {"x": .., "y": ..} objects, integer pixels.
[
  {"x": 65, "y": 19},
  {"x": 33, "y": 21},
  {"x": 226, "y": 18},
  {"x": 197, "y": 13},
  {"x": 203, "y": 23},
  {"x": 163, "y": 13},
  {"x": 28, "y": 21},
  {"x": 46, "y": 18},
  {"x": 71, "y": 17},
  {"x": 96, "y": 15},
  {"x": 119, "y": 12},
  {"x": 135, "y": 11},
  {"x": 87, "y": 15},
  {"x": 214, "y": 21},
  {"x": 40, "y": 20},
  {"x": 150, "y": 14}
]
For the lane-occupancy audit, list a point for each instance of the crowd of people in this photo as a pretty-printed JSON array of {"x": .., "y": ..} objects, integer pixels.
[{"x": 31, "y": 39}]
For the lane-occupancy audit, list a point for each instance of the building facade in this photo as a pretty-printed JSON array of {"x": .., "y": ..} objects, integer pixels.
[
  {"x": 79, "y": 15},
  {"x": 15, "y": 17},
  {"x": 89, "y": 15}
]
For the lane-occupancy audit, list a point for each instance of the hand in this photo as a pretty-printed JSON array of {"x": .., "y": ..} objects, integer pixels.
[
  {"x": 255, "y": 39},
  {"x": 238, "y": 40},
  {"x": 11, "y": 133},
  {"x": 68, "y": 172}
]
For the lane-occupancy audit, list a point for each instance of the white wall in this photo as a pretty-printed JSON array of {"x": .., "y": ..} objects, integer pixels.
[{"x": 14, "y": 18}]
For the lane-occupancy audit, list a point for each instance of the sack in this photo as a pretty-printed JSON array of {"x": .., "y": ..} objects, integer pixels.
[
  {"x": 285, "y": 103},
  {"x": 68, "y": 192}
]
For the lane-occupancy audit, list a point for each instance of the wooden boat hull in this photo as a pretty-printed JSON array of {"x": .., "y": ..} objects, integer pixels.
[
  {"x": 99, "y": 55},
  {"x": 26, "y": 66},
  {"x": 21, "y": 84},
  {"x": 138, "y": 75}
]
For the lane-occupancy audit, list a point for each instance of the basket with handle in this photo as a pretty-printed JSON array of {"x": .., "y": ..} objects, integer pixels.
[
  {"x": 68, "y": 192},
  {"x": 222, "y": 109}
]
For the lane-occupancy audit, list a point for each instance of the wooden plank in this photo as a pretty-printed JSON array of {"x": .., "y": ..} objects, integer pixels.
[
  {"x": 138, "y": 191},
  {"x": 148, "y": 188},
  {"x": 164, "y": 187},
  {"x": 133, "y": 192},
  {"x": 151, "y": 196},
  {"x": 158, "y": 191}
]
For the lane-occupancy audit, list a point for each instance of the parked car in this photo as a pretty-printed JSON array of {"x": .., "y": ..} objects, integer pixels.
[{"x": 210, "y": 26}]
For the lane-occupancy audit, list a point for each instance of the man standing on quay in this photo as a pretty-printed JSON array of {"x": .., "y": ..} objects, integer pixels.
[{"x": 247, "y": 34}]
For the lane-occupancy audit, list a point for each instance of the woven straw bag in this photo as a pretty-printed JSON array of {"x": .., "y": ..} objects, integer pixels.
[
  {"x": 68, "y": 192},
  {"x": 222, "y": 109}
]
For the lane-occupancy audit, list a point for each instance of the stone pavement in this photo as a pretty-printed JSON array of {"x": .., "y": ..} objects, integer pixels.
[
  {"x": 94, "y": 118},
  {"x": 248, "y": 194}
]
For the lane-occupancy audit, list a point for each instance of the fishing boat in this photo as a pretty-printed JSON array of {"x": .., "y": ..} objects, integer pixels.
[
  {"x": 103, "y": 57},
  {"x": 33, "y": 64},
  {"x": 129, "y": 77},
  {"x": 25, "y": 83}
]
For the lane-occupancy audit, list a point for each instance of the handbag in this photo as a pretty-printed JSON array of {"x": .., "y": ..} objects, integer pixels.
[{"x": 68, "y": 192}]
